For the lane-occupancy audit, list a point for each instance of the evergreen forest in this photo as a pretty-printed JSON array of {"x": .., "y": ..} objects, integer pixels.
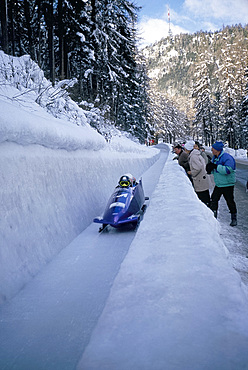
[
  {"x": 90, "y": 42},
  {"x": 188, "y": 85},
  {"x": 204, "y": 75}
]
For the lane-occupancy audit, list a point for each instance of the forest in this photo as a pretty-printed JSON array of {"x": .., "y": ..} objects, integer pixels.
[
  {"x": 205, "y": 75},
  {"x": 92, "y": 44},
  {"x": 201, "y": 90}
]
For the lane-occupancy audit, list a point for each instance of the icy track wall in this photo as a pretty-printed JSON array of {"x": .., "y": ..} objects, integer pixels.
[{"x": 47, "y": 198}]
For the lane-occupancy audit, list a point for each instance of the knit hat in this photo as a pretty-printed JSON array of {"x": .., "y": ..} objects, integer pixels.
[
  {"x": 218, "y": 145},
  {"x": 189, "y": 145}
]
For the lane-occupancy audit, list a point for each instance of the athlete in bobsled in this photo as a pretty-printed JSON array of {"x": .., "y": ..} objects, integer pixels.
[{"x": 126, "y": 204}]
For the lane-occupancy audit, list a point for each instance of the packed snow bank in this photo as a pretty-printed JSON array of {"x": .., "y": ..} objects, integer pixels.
[
  {"x": 177, "y": 302},
  {"x": 27, "y": 123},
  {"x": 47, "y": 198},
  {"x": 24, "y": 122},
  {"x": 25, "y": 76}
]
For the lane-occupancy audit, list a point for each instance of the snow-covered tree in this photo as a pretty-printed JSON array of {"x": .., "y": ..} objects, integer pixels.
[
  {"x": 244, "y": 117},
  {"x": 176, "y": 68},
  {"x": 232, "y": 80},
  {"x": 92, "y": 41},
  {"x": 203, "y": 122},
  {"x": 167, "y": 121}
]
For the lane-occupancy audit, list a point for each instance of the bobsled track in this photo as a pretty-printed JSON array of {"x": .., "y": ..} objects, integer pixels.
[{"x": 37, "y": 331}]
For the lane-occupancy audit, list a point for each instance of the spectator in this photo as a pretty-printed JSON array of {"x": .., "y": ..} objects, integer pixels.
[
  {"x": 223, "y": 167},
  {"x": 198, "y": 173},
  {"x": 202, "y": 151},
  {"x": 183, "y": 159},
  {"x": 197, "y": 145}
]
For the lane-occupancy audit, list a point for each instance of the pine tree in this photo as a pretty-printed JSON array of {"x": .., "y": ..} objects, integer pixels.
[
  {"x": 4, "y": 25},
  {"x": 231, "y": 77},
  {"x": 244, "y": 117},
  {"x": 203, "y": 125},
  {"x": 176, "y": 66}
]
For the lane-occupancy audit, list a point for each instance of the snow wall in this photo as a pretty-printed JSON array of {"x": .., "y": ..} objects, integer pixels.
[{"x": 48, "y": 197}]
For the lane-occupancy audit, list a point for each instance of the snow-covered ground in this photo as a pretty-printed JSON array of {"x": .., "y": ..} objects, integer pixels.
[{"x": 170, "y": 297}]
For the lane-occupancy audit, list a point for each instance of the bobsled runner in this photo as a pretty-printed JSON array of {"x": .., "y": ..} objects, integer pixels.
[{"x": 125, "y": 206}]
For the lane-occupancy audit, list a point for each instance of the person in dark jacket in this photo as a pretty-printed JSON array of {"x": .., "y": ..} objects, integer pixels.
[
  {"x": 223, "y": 167},
  {"x": 183, "y": 159}
]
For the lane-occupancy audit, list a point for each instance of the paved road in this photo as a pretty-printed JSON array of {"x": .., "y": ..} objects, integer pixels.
[
  {"x": 236, "y": 238},
  {"x": 242, "y": 172}
]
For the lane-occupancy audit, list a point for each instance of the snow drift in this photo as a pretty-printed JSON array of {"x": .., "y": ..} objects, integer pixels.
[{"x": 48, "y": 197}]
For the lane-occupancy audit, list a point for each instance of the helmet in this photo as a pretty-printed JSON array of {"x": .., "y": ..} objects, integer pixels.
[
  {"x": 124, "y": 181},
  {"x": 132, "y": 179}
]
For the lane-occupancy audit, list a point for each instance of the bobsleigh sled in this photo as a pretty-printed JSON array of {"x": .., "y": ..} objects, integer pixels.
[{"x": 125, "y": 206}]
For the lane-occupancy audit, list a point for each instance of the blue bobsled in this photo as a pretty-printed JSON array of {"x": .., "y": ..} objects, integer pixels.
[{"x": 126, "y": 204}]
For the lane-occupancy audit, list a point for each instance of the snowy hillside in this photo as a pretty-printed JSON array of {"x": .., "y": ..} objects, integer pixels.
[{"x": 56, "y": 172}]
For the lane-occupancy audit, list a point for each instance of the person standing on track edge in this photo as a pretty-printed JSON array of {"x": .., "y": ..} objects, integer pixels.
[{"x": 223, "y": 167}]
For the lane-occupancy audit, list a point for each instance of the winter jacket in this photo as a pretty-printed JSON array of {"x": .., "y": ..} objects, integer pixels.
[
  {"x": 225, "y": 174},
  {"x": 197, "y": 167},
  {"x": 183, "y": 160},
  {"x": 204, "y": 156}
]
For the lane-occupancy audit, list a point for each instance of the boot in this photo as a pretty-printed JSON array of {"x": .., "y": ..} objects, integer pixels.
[{"x": 234, "y": 219}]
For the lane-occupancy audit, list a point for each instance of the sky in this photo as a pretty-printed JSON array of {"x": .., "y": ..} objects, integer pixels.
[
  {"x": 188, "y": 16},
  {"x": 163, "y": 297}
]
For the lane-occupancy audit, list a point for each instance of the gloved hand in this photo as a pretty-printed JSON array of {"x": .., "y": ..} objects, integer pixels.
[{"x": 210, "y": 167}]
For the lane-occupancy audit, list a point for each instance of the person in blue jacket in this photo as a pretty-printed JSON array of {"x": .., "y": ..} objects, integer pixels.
[{"x": 223, "y": 167}]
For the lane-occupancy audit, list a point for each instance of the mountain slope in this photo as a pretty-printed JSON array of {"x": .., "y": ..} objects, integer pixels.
[{"x": 172, "y": 65}]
